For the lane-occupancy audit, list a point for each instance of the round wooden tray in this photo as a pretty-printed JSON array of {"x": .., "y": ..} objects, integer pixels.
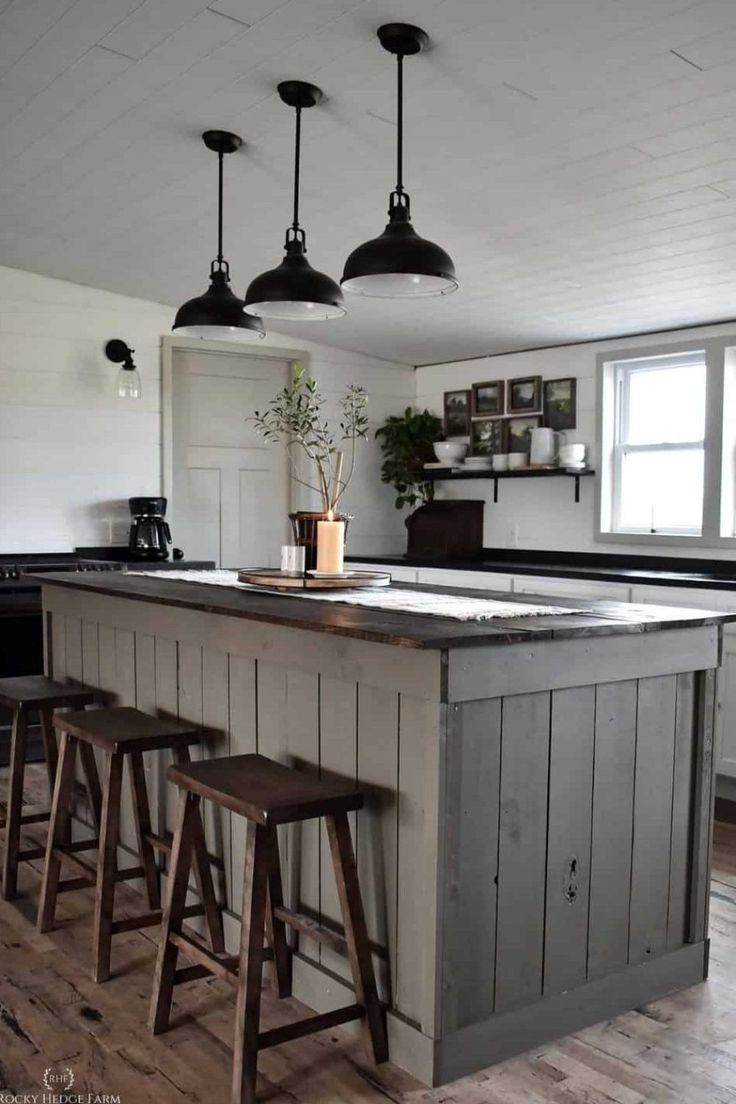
[{"x": 272, "y": 577}]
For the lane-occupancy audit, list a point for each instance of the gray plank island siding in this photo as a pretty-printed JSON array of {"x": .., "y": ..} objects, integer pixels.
[{"x": 534, "y": 851}]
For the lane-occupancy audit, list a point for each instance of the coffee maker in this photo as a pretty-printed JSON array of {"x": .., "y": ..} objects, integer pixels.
[{"x": 150, "y": 535}]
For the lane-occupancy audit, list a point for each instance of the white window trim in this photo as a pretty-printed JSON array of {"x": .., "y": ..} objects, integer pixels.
[{"x": 710, "y": 537}]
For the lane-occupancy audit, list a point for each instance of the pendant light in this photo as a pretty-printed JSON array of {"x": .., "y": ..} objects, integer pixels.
[
  {"x": 218, "y": 314},
  {"x": 128, "y": 381},
  {"x": 399, "y": 264},
  {"x": 295, "y": 291}
]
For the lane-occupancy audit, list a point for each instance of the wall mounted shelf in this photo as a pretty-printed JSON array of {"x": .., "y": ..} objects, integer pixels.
[{"x": 434, "y": 475}]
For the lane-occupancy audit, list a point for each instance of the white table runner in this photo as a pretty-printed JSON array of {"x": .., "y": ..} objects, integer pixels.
[{"x": 396, "y": 599}]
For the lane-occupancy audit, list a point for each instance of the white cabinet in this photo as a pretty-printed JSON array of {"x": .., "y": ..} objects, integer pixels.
[
  {"x": 571, "y": 588},
  {"x": 475, "y": 580}
]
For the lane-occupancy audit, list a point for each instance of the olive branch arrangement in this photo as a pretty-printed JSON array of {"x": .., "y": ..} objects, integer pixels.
[{"x": 295, "y": 415}]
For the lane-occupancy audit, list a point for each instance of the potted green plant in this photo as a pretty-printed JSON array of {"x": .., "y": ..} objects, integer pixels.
[
  {"x": 406, "y": 443},
  {"x": 295, "y": 416}
]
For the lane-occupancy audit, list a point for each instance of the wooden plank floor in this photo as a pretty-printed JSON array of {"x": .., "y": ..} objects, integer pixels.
[{"x": 53, "y": 1016}]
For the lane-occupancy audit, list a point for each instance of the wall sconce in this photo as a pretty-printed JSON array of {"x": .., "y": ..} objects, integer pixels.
[{"x": 129, "y": 381}]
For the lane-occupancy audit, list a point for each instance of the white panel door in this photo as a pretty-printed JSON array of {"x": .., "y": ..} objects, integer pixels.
[{"x": 230, "y": 499}]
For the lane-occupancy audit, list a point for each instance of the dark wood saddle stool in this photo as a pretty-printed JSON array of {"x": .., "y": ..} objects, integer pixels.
[
  {"x": 25, "y": 696},
  {"x": 267, "y": 794},
  {"x": 119, "y": 733}
]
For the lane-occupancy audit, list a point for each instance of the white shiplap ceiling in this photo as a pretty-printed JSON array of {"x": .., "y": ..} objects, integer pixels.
[{"x": 576, "y": 157}]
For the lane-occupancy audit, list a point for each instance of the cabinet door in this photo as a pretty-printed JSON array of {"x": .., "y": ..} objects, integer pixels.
[
  {"x": 571, "y": 588},
  {"x": 473, "y": 580}
]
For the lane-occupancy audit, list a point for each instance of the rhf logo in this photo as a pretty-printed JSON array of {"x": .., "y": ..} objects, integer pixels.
[{"x": 56, "y": 1080}]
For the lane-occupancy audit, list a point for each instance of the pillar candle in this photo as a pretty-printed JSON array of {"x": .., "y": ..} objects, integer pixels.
[{"x": 330, "y": 545}]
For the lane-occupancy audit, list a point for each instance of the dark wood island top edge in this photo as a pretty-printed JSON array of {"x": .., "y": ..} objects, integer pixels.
[{"x": 594, "y": 618}]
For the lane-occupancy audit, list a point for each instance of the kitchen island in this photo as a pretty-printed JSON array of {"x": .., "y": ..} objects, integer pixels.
[{"x": 534, "y": 851}]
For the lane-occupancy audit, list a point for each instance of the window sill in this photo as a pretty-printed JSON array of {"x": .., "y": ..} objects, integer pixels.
[{"x": 672, "y": 540}]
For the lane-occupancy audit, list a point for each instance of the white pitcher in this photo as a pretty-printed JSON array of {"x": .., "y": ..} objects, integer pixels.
[{"x": 544, "y": 445}]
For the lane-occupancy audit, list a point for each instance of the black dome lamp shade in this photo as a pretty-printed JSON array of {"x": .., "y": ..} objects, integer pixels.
[
  {"x": 218, "y": 314},
  {"x": 295, "y": 291},
  {"x": 399, "y": 264}
]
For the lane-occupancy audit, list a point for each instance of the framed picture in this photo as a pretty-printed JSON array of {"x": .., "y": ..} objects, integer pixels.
[
  {"x": 520, "y": 432},
  {"x": 457, "y": 413},
  {"x": 560, "y": 409},
  {"x": 487, "y": 436},
  {"x": 525, "y": 395},
  {"x": 488, "y": 398}
]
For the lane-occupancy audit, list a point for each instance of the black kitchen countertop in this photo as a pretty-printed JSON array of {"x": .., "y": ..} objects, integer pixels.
[
  {"x": 654, "y": 570},
  {"x": 408, "y": 630}
]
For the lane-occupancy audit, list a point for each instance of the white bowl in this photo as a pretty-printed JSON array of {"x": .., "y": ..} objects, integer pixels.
[
  {"x": 518, "y": 460},
  {"x": 451, "y": 452}
]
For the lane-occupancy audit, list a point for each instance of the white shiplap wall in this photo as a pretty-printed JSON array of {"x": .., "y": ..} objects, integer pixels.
[
  {"x": 541, "y": 514},
  {"x": 71, "y": 452}
]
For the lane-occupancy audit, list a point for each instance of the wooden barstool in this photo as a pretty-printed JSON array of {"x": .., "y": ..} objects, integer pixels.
[
  {"x": 267, "y": 794},
  {"x": 26, "y": 695},
  {"x": 119, "y": 732}
]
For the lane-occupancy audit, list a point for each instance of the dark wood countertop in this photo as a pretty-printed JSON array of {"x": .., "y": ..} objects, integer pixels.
[{"x": 383, "y": 627}]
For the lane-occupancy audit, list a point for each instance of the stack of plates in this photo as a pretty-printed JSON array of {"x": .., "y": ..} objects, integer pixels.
[{"x": 479, "y": 463}]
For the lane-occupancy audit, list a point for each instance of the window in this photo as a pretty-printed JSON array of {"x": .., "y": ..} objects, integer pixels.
[{"x": 658, "y": 444}]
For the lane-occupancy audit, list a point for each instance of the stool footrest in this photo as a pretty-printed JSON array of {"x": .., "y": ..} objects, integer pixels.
[
  {"x": 225, "y": 967},
  {"x": 134, "y": 923},
  {"x": 191, "y": 973},
  {"x": 68, "y": 885},
  {"x": 128, "y": 873},
  {"x": 26, "y": 818},
  {"x": 309, "y": 1026},
  {"x": 148, "y": 919},
  {"x": 30, "y": 853},
  {"x": 311, "y": 928},
  {"x": 164, "y": 843}
]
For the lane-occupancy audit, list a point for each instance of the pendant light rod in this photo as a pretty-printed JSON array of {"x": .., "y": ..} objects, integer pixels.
[
  {"x": 297, "y": 163},
  {"x": 220, "y": 160},
  {"x": 221, "y": 142},
  {"x": 298, "y": 94},
  {"x": 399, "y": 123},
  {"x": 401, "y": 39}
]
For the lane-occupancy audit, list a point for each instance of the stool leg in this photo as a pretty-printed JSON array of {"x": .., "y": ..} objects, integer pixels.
[
  {"x": 247, "y": 1015},
  {"x": 176, "y": 899},
  {"x": 276, "y": 927},
  {"x": 92, "y": 783},
  {"x": 356, "y": 933},
  {"x": 142, "y": 816},
  {"x": 15, "y": 805},
  {"x": 58, "y": 831},
  {"x": 49, "y": 744},
  {"x": 107, "y": 867},
  {"x": 203, "y": 872}
]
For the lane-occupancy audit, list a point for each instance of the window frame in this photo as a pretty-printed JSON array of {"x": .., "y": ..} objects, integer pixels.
[
  {"x": 717, "y": 350},
  {"x": 624, "y": 371}
]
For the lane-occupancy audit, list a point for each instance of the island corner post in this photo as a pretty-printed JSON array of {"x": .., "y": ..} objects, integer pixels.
[{"x": 534, "y": 850}]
